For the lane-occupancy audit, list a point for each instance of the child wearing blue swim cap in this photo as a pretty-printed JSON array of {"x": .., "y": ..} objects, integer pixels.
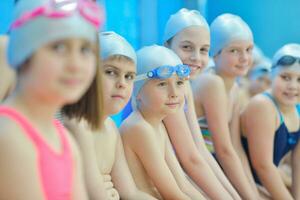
[
  {"x": 158, "y": 92},
  {"x": 52, "y": 48},
  {"x": 271, "y": 127},
  {"x": 216, "y": 99},
  {"x": 187, "y": 34},
  {"x": 102, "y": 148}
]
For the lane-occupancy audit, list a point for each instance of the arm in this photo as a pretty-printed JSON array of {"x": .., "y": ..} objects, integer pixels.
[
  {"x": 296, "y": 172},
  {"x": 178, "y": 173},
  {"x": 235, "y": 132},
  {"x": 190, "y": 158},
  {"x": 122, "y": 177},
  {"x": 16, "y": 151},
  {"x": 93, "y": 178},
  {"x": 141, "y": 139},
  {"x": 215, "y": 104},
  {"x": 260, "y": 129}
]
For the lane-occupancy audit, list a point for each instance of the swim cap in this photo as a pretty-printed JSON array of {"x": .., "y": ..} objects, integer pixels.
[
  {"x": 114, "y": 44},
  {"x": 149, "y": 58},
  {"x": 292, "y": 49},
  {"x": 227, "y": 28},
  {"x": 39, "y": 31},
  {"x": 184, "y": 18}
]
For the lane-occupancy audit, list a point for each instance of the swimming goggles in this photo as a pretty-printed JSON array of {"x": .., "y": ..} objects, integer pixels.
[
  {"x": 166, "y": 71},
  {"x": 64, "y": 8},
  {"x": 287, "y": 61}
]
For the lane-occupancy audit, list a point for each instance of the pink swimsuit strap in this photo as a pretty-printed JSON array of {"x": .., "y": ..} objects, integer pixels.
[{"x": 55, "y": 168}]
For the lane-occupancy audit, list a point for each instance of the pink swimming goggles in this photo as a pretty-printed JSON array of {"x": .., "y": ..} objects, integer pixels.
[{"x": 64, "y": 8}]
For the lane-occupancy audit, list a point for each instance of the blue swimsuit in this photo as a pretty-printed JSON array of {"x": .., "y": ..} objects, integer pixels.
[{"x": 284, "y": 141}]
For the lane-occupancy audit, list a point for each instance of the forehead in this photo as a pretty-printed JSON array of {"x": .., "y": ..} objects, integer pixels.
[
  {"x": 193, "y": 34},
  {"x": 120, "y": 63},
  {"x": 291, "y": 70},
  {"x": 239, "y": 44}
]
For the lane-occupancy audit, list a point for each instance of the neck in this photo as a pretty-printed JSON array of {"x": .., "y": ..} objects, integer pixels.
[
  {"x": 284, "y": 108},
  {"x": 228, "y": 80},
  {"x": 155, "y": 119},
  {"x": 35, "y": 109}
]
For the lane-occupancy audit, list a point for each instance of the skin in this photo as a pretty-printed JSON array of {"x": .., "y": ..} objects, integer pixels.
[
  {"x": 66, "y": 68},
  {"x": 285, "y": 89},
  {"x": 146, "y": 142},
  {"x": 186, "y": 136},
  {"x": 106, "y": 169},
  {"x": 217, "y": 100},
  {"x": 7, "y": 80}
]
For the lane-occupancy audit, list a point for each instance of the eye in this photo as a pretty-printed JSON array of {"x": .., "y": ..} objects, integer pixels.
[
  {"x": 180, "y": 82},
  {"x": 298, "y": 79},
  {"x": 87, "y": 49},
  {"x": 204, "y": 50},
  {"x": 249, "y": 49},
  {"x": 285, "y": 77},
  {"x": 129, "y": 76},
  {"x": 235, "y": 51},
  {"x": 187, "y": 47},
  {"x": 162, "y": 84},
  {"x": 110, "y": 72},
  {"x": 59, "y": 47}
]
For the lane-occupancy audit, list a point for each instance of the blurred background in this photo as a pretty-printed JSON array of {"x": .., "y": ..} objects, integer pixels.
[{"x": 273, "y": 22}]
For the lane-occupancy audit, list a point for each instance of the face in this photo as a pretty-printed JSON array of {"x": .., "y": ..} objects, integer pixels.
[
  {"x": 60, "y": 71},
  {"x": 192, "y": 46},
  {"x": 118, "y": 77},
  {"x": 286, "y": 85},
  {"x": 235, "y": 59},
  {"x": 162, "y": 96},
  {"x": 259, "y": 84}
]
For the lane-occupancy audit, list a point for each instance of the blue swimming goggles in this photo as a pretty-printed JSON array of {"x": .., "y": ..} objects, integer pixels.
[
  {"x": 166, "y": 71},
  {"x": 287, "y": 61}
]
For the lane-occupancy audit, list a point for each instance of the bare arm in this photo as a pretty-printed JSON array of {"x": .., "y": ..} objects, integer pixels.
[
  {"x": 93, "y": 177},
  {"x": 143, "y": 142},
  {"x": 178, "y": 173},
  {"x": 296, "y": 172},
  {"x": 235, "y": 132},
  {"x": 215, "y": 104},
  {"x": 260, "y": 129},
  {"x": 122, "y": 177},
  {"x": 190, "y": 158}
]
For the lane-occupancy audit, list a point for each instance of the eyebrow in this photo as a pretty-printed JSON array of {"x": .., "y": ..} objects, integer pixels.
[{"x": 111, "y": 66}]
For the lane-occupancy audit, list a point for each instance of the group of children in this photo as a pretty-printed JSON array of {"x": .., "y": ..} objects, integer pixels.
[{"x": 190, "y": 136}]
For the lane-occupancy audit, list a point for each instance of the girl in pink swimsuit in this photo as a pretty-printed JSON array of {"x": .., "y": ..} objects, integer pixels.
[{"x": 54, "y": 53}]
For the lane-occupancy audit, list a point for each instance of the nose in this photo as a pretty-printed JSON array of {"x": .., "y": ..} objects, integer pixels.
[
  {"x": 74, "y": 61},
  {"x": 293, "y": 84},
  {"x": 195, "y": 56},
  {"x": 121, "y": 82},
  {"x": 173, "y": 91},
  {"x": 244, "y": 56}
]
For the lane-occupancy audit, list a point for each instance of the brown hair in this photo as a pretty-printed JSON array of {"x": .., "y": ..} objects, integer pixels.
[{"x": 89, "y": 107}]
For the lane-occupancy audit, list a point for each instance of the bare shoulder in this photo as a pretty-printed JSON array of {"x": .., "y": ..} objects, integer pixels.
[
  {"x": 135, "y": 128},
  {"x": 208, "y": 83}
]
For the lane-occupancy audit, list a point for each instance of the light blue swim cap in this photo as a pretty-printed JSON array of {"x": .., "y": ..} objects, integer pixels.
[
  {"x": 149, "y": 58},
  {"x": 184, "y": 18},
  {"x": 114, "y": 44},
  {"x": 227, "y": 28},
  {"x": 292, "y": 49},
  {"x": 29, "y": 37}
]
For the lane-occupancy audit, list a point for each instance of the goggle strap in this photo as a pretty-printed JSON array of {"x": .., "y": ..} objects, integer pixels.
[{"x": 140, "y": 77}]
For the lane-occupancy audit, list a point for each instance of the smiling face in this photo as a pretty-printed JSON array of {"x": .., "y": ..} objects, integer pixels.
[
  {"x": 192, "y": 46},
  {"x": 118, "y": 76},
  {"x": 235, "y": 59},
  {"x": 164, "y": 96},
  {"x": 286, "y": 85},
  {"x": 60, "y": 71}
]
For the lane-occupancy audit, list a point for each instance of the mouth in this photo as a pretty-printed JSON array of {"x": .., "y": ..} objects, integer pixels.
[
  {"x": 172, "y": 105},
  {"x": 194, "y": 67},
  {"x": 291, "y": 95},
  {"x": 71, "y": 82},
  {"x": 116, "y": 96}
]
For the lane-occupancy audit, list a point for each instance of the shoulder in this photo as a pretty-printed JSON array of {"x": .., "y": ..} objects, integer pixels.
[
  {"x": 135, "y": 128},
  {"x": 209, "y": 81}
]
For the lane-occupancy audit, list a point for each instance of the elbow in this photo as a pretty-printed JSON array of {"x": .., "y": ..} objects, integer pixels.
[
  {"x": 262, "y": 167},
  {"x": 193, "y": 160},
  {"x": 224, "y": 152}
]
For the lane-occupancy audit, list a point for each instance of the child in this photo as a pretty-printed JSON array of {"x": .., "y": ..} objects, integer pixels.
[
  {"x": 158, "y": 91},
  {"x": 187, "y": 34},
  {"x": 216, "y": 99},
  {"x": 54, "y": 53},
  {"x": 107, "y": 173},
  {"x": 271, "y": 125}
]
